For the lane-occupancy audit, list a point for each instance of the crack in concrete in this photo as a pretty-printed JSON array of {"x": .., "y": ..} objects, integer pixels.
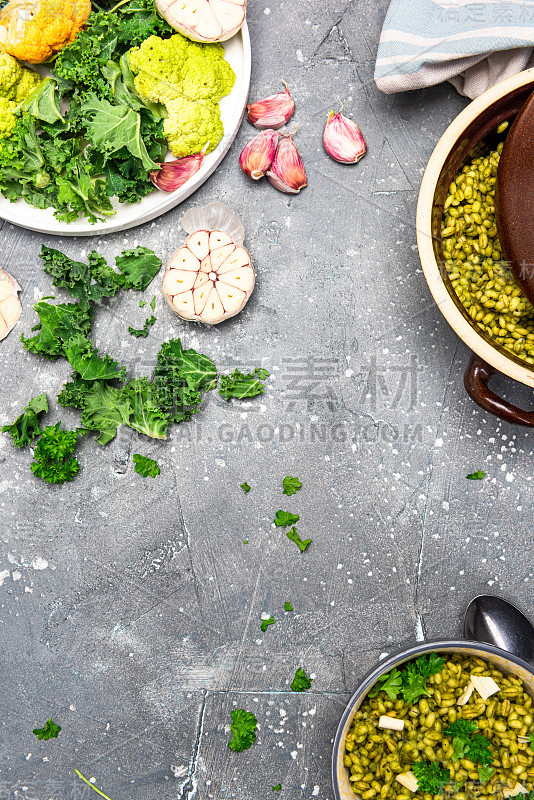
[{"x": 189, "y": 787}]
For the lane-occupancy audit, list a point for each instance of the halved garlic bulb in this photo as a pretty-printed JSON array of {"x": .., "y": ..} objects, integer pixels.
[
  {"x": 10, "y": 307},
  {"x": 204, "y": 20},
  {"x": 209, "y": 279}
]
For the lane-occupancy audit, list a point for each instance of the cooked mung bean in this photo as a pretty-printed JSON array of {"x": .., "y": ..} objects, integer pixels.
[
  {"x": 473, "y": 259},
  {"x": 375, "y": 756}
]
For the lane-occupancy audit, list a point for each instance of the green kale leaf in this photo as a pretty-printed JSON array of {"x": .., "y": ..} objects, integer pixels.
[
  {"x": 243, "y": 386},
  {"x": 142, "y": 332},
  {"x": 26, "y": 427},
  {"x": 146, "y": 466},
  {"x": 58, "y": 324}
]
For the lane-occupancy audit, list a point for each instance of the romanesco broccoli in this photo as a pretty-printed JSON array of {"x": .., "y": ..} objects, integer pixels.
[
  {"x": 190, "y": 125},
  {"x": 16, "y": 83},
  {"x": 189, "y": 78}
]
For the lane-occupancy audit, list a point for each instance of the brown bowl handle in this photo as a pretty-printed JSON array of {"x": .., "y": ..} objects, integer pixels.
[{"x": 476, "y": 379}]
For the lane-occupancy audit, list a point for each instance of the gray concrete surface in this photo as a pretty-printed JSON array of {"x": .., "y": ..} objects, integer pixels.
[{"x": 130, "y": 608}]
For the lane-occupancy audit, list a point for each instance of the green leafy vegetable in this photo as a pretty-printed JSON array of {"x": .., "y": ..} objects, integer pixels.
[
  {"x": 146, "y": 466},
  {"x": 142, "y": 332},
  {"x": 277, "y": 788},
  {"x": 390, "y": 683},
  {"x": 411, "y": 681},
  {"x": 50, "y": 731},
  {"x": 53, "y": 460},
  {"x": 104, "y": 409},
  {"x": 146, "y": 415},
  {"x": 531, "y": 739},
  {"x": 431, "y": 776},
  {"x": 243, "y": 728},
  {"x": 86, "y": 362},
  {"x": 88, "y": 283},
  {"x": 179, "y": 378},
  {"x": 301, "y": 682},
  {"x": 291, "y": 485},
  {"x": 138, "y": 267},
  {"x": 485, "y": 773},
  {"x": 142, "y": 303},
  {"x": 288, "y": 606},
  {"x": 26, "y": 427},
  {"x": 476, "y": 476},
  {"x": 266, "y": 622},
  {"x": 110, "y": 127},
  {"x": 246, "y": 488},
  {"x": 58, "y": 324},
  {"x": 42, "y": 103},
  {"x": 285, "y": 518},
  {"x": 469, "y": 743},
  {"x": 153, "y": 303},
  {"x": 242, "y": 386},
  {"x": 293, "y": 535}
]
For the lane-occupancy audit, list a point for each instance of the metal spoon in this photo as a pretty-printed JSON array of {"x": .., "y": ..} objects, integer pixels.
[{"x": 496, "y": 621}]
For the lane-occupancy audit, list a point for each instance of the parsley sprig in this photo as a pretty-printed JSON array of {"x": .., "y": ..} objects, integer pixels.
[
  {"x": 431, "y": 776},
  {"x": 410, "y": 681},
  {"x": 243, "y": 728},
  {"x": 468, "y": 742},
  {"x": 49, "y": 731}
]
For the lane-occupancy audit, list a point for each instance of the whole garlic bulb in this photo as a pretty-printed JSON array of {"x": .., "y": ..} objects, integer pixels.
[{"x": 210, "y": 278}]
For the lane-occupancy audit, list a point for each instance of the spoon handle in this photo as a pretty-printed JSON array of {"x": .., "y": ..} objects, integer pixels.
[{"x": 495, "y": 621}]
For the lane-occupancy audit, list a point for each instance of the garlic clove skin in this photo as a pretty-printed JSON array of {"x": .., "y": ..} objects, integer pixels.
[
  {"x": 287, "y": 173},
  {"x": 257, "y": 156},
  {"x": 343, "y": 139},
  {"x": 173, "y": 174},
  {"x": 272, "y": 112},
  {"x": 10, "y": 307},
  {"x": 198, "y": 289}
]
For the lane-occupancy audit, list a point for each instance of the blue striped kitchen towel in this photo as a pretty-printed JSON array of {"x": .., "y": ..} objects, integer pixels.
[{"x": 471, "y": 43}]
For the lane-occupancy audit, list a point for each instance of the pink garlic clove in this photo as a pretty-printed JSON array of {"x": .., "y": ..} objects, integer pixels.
[
  {"x": 343, "y": 139},
  {"x": 287, "y": 171},
  {"x": 273, "y": 111},
  {"x": 173, "y": 174},
  {"x": 257, "y": 156}
]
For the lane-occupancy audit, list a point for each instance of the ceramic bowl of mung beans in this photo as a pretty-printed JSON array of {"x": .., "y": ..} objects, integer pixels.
[
  {"x": 439, "y": 719},
  {"x": 460, "y": 252}
]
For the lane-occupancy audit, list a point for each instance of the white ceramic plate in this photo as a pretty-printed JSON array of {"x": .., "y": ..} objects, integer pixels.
[{"x": 237, "y": 53}]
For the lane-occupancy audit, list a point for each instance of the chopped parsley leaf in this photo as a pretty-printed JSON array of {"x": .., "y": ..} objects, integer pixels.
[
  {"x": 243, "y": 729},
  {"x": 266, "y": 622},
  {"x": 246, "y": 488},
  {"x": 476, "y": 476},
  {"x": 50, "y": 731},
  {"x": 301, "y": 682},
  {"x": 291, "y": 485},
  {"x": 293, "y": 535},
  {"x": 284, "y": 518},
  {"x": 288, "y": 606}
]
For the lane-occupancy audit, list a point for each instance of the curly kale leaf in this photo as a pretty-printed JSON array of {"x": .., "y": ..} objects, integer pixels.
[
  {"x": 180, "y": 377},
  {"x": 85, "y": 361},
  {"x": 104, "y": 409},
  {"x": 146, "y": 416},
  {"x": 243, "y": 386},
  {"x": 88, "y": 283},
  {"x": 146, "y": 466},
  {"x": 58, "y": 323},
  {"x": 138, "y": 267},
  {"x": 26, "y": 427}
]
